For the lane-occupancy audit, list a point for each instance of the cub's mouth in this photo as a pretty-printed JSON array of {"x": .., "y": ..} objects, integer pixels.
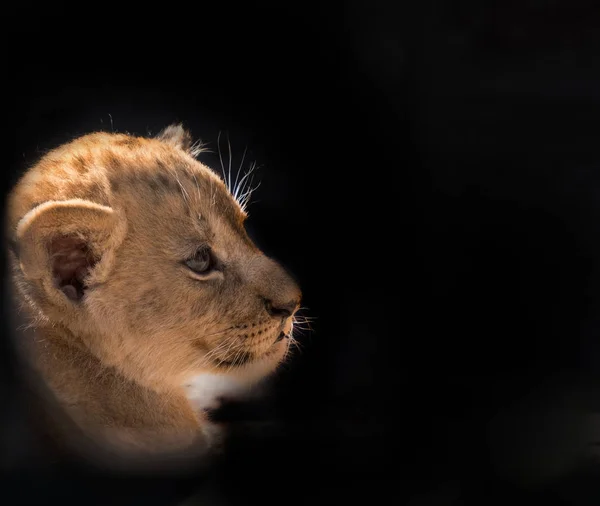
[{"x": 246, "y": 357}]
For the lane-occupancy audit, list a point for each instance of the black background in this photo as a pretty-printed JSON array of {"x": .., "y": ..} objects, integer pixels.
[{"x": 430, "y": 174}]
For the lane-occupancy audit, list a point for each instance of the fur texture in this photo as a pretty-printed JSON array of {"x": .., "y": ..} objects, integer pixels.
[{"x": 100, "y": 231}]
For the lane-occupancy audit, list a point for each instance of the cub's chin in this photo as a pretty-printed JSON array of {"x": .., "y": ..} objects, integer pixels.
[
  {"x": 207, "y": 389},
  {"x": 248, "y": 364}
]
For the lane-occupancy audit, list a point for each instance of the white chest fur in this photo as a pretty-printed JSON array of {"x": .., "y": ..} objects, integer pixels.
[{"x": 206, "y": 391}]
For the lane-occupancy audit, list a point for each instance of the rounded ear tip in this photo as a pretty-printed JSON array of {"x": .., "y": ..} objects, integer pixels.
[
  {"x": 176, "y": 135},
  {"x": 173, "y": 129}
]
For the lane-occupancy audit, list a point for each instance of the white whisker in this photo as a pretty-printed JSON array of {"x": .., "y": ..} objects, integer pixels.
[
  {"x": 196, "y": 148},
  {"x": 243, "y": 182},
  {"x": 229, "y": 180},
  {"x": 235, "y": 184},
  {"x": 221, "y": 158},
  {"x": 241, "y": 188}
]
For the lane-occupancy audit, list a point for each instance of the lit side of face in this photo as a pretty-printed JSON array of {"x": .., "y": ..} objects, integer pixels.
[{"x": 189, "y": 292}]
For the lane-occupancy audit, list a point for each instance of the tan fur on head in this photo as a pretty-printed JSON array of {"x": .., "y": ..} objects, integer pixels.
[{"x": 104, "y": 231}]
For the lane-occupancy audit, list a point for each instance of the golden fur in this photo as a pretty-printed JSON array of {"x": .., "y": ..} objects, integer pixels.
[{"x": 100, "y": 230}]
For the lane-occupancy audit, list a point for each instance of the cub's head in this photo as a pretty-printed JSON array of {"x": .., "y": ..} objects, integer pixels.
[{"x": 133, "y": 248}]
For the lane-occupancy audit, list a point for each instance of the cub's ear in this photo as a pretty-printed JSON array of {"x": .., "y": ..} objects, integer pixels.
[
  {"x": 68, "y": 245},
  {"x": 177, "y": 136}
]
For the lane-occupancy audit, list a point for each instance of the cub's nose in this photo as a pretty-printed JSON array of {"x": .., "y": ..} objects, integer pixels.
[
  {"x": 274, "y": 286},
  {"x": 281, "y": 309}
]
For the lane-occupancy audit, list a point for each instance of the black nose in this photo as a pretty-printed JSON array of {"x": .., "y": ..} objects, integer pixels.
[{"x": 278, "y": 309}]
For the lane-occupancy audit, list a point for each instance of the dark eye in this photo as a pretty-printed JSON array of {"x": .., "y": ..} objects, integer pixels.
[{"x": 201, "y": 262}]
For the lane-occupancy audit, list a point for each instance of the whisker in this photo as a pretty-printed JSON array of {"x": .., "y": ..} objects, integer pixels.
[
  {"x": 301, "y": 310},
  {"x": 220, "y": 346},
  {"x": 213, "y": 189},
  {"x": 214, "y": 333},
  {"x": 184, "y": 193},
  {"x": 243, "y": 181},
  {"x": 233, "y": 346},
  {"x": 197, "y": 147},
  {"x": 304, "y": 319},
  {"x": 303, "y": 322},
  {"x": 246, "y": 190},
  {"x": 306, "y": 323},
  {"x": 246, "y": 197},
  {"x": 225, "y": 344},
  {"x": 229, "y": 146},
  {"x": 238, "y": 355},
  {"x": 296, "y": 344},
  {"x": 235, "y": 184},
  {"x": 302, "y": 330},
  {"x": 231, "y": 363},
  {"x": 221, "y": 158},
  {"x": 197, "y": 185}
]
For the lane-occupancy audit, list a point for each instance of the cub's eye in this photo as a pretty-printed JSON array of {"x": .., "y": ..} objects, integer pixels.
[{"x": 201, "y": 262}]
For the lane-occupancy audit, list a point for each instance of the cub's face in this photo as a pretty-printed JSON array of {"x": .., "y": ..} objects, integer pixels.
[{"x": 141, "y": 251}]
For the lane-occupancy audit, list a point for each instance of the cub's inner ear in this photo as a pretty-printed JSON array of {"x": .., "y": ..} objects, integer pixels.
[
  {"x": 61, "y": 244},
  {"x": 177, "y": 136},
  {"x": 71, "y": 260}
]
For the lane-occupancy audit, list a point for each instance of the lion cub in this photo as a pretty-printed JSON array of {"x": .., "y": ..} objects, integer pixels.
[{"x": 136, "y": 278}]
